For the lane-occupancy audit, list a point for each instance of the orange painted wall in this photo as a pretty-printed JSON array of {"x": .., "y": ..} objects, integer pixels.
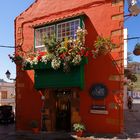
[{"x": 102, "y": 18}]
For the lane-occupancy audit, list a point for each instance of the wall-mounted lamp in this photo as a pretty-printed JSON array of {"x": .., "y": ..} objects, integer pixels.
[{"x": 8, "y": 75}]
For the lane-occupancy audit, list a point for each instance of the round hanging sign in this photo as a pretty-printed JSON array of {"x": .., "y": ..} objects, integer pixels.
[{"x": 98, "y": 91}]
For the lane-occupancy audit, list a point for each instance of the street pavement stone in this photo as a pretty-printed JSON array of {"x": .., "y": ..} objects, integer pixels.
[
  {"x": 9, "y": 133},
  {"x": 131, "y": 131}
]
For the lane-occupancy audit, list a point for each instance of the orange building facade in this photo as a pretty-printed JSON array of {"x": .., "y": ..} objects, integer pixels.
[{"x": 65, "y": 105}]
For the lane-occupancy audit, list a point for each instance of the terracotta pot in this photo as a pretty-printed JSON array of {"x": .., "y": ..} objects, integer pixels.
[
  {"x": 18, "y": 62},
  {"x": 136, "y": 52},
  {"x": 79, "y": 133},
  {"x": 103, "y": 51},
  {"x": 35, "y": 130}
]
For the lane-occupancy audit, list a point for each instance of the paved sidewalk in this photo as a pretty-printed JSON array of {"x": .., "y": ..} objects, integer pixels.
[
  {"x": 132, "y": 122},
  {"x": 9, "y": 133},
  {"x": 131, "y": 131}
]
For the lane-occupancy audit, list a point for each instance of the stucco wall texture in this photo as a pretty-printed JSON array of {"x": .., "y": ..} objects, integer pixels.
[{"x": 103, "y": 17}]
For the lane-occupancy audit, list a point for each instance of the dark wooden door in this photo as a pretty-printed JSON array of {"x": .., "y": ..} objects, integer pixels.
[{"x": 63, "y": 111}]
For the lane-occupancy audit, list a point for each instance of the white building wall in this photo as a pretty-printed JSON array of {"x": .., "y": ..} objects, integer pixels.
[
  {"x": 10, "y": 88},
  {"x": 125, "y": 66}
]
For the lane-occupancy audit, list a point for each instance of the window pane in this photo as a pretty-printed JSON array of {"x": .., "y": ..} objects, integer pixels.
[
  {"x": 41, "y": 33},
  {"x": 64, "y": 29},
  {"x": 67, "y": 29},
  {"x": 40, "y": 49},
  {"x": 3, "y": 94}
]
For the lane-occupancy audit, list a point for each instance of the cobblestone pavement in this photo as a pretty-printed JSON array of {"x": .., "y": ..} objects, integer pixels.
[
  {"x": 131, "y": 131},
  {"x": 8, "y": 133}
]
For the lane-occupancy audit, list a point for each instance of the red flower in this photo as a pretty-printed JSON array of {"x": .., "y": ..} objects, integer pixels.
[
  {"x": 87, "y": 53},
  {"x": 94, "y": 49},
  {"x": 42, "y": 53},
  {"x": 79, "y": 53},
  {"x": 62, "y": 56},
  {"x": 39, "y": 58},
  {"x": 82, "y": 52}
]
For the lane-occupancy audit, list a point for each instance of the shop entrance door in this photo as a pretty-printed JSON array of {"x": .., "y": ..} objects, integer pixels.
[{"x": 63, "y": 110}]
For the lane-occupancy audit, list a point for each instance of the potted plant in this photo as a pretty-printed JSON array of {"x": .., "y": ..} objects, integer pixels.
[
  {"x": 79, "y": 129},
  {"x": 34, "y": 126},
  {"x": 102, "y": 46},
  {"x": 136, "y": 50}
]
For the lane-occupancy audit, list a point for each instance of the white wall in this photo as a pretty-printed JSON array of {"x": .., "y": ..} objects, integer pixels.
[
  {"x": 125, "y": 66},
  {"x": 125, "y": 47},
  {"x": 10, "y": 88}
]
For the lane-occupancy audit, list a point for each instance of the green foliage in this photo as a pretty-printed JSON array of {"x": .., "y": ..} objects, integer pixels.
[
  {"x": 78, "y": 127},
  {"x": 62, "y": 50},
  {"x": 137, "y": 46},
  {"x": 66, "y": 52},
  {"x": 50, "y": 43},
  {"x": 102, "y": 46},
  {"x": 15, "y": 58},
  {"x": 104, "y": 42}
]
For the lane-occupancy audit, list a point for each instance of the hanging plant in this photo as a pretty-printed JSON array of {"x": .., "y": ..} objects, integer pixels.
[
  {"x": 17, "y": 59},
  {"x": 102, "y": 46},
  {"x": 136, "y": 50}
]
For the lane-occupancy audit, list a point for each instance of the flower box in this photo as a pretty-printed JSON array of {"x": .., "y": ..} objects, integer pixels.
[
  {"x": 40, "y": 65},
  {"x": 46, "y": 77}
]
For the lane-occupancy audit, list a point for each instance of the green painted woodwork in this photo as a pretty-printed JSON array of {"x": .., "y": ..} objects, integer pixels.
[
  {"x": 81, "y": 17},
  {"x": 46, "y": 77},
  {"x": 40, "y": 65},
  {"x": 49, "y": 78}
]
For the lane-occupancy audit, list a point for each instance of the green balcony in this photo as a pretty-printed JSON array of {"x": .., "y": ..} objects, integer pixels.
[
  {"x": 47, "y": 77},
  {"x": 39, "y": 66}
]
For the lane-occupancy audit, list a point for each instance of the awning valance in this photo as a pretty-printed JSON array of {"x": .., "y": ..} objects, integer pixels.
[{"x": 59, "y": 18}]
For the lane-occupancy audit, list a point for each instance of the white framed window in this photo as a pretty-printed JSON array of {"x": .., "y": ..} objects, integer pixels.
[
  {"x": 40, "y": 33},
  {"x": 67, "y": 29},
  {"x": 61, "y": 30}
]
